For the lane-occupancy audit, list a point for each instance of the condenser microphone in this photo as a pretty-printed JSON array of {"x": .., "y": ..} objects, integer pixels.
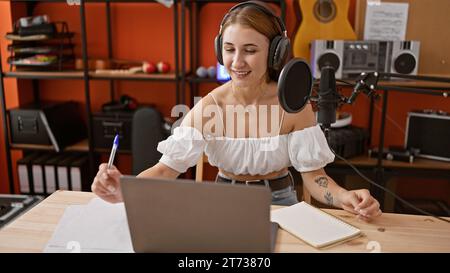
[{"x": 328, "y": 98}]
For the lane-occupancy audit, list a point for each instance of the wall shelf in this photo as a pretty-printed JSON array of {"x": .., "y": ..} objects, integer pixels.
[
  {"x": 81, "y": 146},
  {"x": 195, "y": 79},
  {"x": 133, "y": 77},
  {"x": 36, "y": 75},
  {"x": 53, "y": 75}
]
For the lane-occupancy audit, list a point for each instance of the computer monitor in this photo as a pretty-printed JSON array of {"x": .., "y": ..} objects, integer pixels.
[{"x": 222, "y": 74}]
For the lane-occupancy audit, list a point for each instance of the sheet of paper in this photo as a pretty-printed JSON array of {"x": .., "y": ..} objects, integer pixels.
[
  {"x": 167, "y": 3},
  {"x": 385, "y": 21},
  {"x": 96, "y": 227}
]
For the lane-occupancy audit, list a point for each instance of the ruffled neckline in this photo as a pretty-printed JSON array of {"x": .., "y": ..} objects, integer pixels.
[{"x": 208, "y": 137}]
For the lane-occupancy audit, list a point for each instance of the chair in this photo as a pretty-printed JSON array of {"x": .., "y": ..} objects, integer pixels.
[
  {"x": 199, "y": 168},
  {"x": 147, "y": 132},
  {"x": 199, "y": 177}
]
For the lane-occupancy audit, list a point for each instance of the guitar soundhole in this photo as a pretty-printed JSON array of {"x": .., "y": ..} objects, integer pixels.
[{"x": 325, "y": 10}]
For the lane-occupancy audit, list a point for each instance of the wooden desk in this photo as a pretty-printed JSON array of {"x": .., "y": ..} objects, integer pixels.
[{"x": 391, "y": 232}]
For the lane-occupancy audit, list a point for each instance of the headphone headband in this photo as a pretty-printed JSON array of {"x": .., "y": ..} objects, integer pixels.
[{"x": 261, "y": 6}]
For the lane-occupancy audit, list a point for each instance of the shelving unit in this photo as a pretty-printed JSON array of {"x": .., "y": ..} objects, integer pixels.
[{"x": 86, "y": 145}]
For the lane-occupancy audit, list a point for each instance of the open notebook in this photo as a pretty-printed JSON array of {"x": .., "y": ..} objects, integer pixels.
[{"x": 313, "y": 226}]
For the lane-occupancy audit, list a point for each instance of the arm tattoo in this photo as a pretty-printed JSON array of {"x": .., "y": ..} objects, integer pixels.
[
  {"x": 328, "y": 198},
  {"x": 322, "y": 181}
]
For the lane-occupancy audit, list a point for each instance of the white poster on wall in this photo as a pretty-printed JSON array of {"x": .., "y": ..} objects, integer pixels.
[{"x": 385, "y": 21}]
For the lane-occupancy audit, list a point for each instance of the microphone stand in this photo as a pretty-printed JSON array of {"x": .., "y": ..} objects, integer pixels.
[{"x": 367, "y": 83}]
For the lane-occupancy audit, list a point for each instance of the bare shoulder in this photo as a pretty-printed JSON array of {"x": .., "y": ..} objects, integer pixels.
[
  {"x": 301, "y": 120},
  {"x": 197, "y": 114},
  {"x": 221, "y": 93}
]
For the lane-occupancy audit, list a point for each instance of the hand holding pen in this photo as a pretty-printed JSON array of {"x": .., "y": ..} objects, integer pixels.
[{"x": 106, "y": 183}]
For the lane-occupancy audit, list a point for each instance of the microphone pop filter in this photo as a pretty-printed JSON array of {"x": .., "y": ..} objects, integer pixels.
[{"x": 295, "y": 85}]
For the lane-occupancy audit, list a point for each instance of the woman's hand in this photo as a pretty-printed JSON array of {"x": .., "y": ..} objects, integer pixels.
[
  {"x": 106, "y": 184},
  {"x": 361, "y": 203}
]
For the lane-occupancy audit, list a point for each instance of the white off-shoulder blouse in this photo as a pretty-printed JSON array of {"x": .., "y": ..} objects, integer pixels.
[{"x": 305, "y": 150}]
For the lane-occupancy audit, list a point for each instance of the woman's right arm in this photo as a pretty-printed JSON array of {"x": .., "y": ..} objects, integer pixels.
[
  {"x": 159, "y": 170},
  {"x": 106, "y": 183}
]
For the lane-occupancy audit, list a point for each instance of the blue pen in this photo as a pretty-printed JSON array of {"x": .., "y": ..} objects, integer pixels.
[{"x": 113, "y": 151}]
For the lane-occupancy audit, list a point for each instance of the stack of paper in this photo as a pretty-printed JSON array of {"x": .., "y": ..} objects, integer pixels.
[
  {"x": 313, "y": 226},
  {"x": 96, "y": 227}
]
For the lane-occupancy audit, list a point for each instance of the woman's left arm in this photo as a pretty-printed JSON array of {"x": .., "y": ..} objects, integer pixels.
[{"x": 324, "y": 189}]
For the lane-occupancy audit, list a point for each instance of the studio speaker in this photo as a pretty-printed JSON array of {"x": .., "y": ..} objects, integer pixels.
[{"x": 405, "y": 57}]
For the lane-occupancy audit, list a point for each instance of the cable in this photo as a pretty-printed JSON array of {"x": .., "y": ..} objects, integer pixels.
[
  {"x": 383, "y": 188},
  {"x": 346, "y": 82}
]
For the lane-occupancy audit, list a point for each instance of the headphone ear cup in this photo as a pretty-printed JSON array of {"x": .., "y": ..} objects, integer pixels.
[
  {"x": 281, "y": 52},
  {"x": 218, "y": 48},
  {"x": 272, "y": 50}
]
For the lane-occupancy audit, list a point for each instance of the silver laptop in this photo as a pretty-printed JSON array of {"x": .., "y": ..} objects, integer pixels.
[{"x": 177, "y": 215}]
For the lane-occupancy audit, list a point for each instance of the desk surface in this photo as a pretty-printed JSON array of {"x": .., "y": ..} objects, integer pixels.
[{"x": 389, "y": 233}]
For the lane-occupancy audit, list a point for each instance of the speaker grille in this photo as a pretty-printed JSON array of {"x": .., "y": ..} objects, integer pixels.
[{"x": 405, "y": 63}]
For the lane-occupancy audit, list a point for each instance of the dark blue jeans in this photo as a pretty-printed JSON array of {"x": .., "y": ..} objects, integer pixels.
[{"x": 283, "y": 197}]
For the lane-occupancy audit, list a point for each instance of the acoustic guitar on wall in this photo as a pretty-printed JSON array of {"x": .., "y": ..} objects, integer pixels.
[{"x": 321, "y": 19}]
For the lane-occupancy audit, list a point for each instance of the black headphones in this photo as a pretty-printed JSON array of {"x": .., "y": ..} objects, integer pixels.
[{"x": 280, "y": 46}]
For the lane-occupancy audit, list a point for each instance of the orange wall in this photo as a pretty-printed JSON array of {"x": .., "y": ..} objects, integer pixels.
[
  {"x": 12, "y": 97},
  {"x": 145, "y": 32}
]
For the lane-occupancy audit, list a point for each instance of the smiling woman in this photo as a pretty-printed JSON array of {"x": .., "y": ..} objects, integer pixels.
[{"x": 253, "y": 46}]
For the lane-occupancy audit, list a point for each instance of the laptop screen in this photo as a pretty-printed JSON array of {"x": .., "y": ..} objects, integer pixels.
[{"x": 183, "y": 216}]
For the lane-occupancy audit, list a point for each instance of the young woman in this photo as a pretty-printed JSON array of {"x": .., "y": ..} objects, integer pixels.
[{"x": 231, "y": 124}]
